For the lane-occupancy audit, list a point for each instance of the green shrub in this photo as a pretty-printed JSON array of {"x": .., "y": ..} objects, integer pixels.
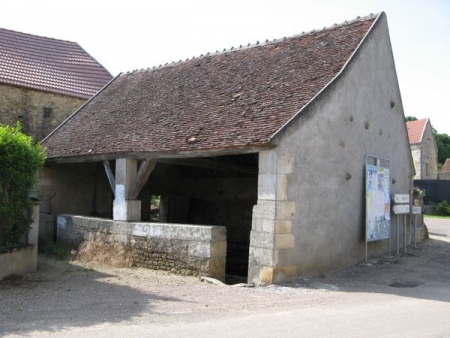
[
  {"x": 20, "y": 163},
  {"x": 442, "y": 208}
]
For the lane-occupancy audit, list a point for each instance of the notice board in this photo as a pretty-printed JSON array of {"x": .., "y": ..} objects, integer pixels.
[{"x": 378, "y": 201}]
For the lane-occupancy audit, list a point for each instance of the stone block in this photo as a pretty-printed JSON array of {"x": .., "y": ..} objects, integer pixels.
[
  {"x": 283, "y": 227},
  {"x": 90, "y": 222},
  {"x": 105, "y": 224},
  {"x": 282, "y": 184},
  {"x": 285, "y": 164},
  {"x": 285, "y": 210},
  {"x": 199, "y": 249},
  {"x": 284, "y": 241},
  {"x": 218, "y": 233},
  {"x": 268, "y": 162},
  {"x": 266, "y": 276},
  {"x": 264, "y": 209},
  {"x": 261, "y": 239},
  {"x": 128, "y": 210},
  {"x": 267, "y": 186},
  {"x": 218, "y": 249},
  {"x": 284, "y": 273},
  {"x": 261, "y": 256},
  {"x": 263, "y": 225}
]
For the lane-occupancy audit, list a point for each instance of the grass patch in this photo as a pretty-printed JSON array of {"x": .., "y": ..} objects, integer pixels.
[
  {"x": 58, "y": 251},
  {"x": 102, "y": 248},
  {"x": 436, "y": 216}
]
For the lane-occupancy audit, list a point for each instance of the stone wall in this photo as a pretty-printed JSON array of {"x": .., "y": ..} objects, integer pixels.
[
  {"x": 444, "y": 175},
  {"x": 417, "y": 158},
  {"x": 23, "y": 260},
  {"x": 180, "y": 248},
  {"x": 39, "y": 112},
  {"x": 77, "y": 188},
  {"x": 310, "y": 215}
]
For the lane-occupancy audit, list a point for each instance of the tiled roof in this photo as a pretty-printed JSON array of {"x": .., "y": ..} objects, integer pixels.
[
  {"x": 416, "y": 130},
  {"x": 233, "y": 99},
  {"x": 446, "y": 166},
  {"x": 51, "y": 65}
]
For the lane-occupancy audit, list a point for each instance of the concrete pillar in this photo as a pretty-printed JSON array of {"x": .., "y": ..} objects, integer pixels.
[{"x": 124, "y": 209}]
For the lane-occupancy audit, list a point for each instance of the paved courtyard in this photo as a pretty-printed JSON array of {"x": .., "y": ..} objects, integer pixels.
[{"x": 407, "y": 296}]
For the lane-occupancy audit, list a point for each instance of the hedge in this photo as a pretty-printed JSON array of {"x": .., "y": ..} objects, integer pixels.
[{"x": 20, "y": 162}]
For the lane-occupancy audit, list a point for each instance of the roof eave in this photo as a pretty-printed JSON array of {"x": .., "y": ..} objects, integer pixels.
[{"x": 161, "y": 154}]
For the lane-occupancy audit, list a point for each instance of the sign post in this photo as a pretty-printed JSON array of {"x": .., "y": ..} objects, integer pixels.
[
  {"x": 401, "y": 208},
  {"x": 416, "y": 210}
]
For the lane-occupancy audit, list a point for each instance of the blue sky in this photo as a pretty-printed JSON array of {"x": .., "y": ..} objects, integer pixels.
[{"x": 128, "y": 35}]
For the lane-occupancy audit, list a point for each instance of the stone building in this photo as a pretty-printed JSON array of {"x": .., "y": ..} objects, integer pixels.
[
  {"x": 444, "y": 174},
  {"x": 43, "y": 81},
  {"x": 265, "y": 145},
  {"x": 423, "y": 149}
]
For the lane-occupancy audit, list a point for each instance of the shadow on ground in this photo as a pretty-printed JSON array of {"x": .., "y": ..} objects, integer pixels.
[
  {"x": 62, "y": 295},
  {"x": 423, "y": 272}
]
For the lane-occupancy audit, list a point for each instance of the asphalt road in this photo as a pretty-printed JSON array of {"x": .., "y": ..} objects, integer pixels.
[{"x": 408, "y": 296}]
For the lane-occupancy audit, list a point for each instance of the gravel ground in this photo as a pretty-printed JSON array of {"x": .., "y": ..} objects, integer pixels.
[{"x": 63, "y": 296}]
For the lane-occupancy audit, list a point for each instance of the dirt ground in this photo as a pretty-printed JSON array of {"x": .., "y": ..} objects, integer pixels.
[{"x": 63, "y": 297}]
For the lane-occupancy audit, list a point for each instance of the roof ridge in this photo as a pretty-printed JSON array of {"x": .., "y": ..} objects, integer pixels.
[
  {"x": 249, "y": 45},
  {"x": 35, "y": 35}
]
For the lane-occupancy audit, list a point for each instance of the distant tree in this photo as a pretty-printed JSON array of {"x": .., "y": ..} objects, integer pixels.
[
  {"x": 443, "y": 146},
  {"x": 410, "y": 118}
]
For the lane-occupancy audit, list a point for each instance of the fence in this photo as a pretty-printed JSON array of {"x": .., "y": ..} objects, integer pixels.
[{"x": 435, "y": 190}]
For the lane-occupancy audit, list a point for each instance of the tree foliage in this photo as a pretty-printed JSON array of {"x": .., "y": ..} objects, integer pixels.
[
  {"x": 443, "y": 146},
  {"x": 410, "y": 118},
  {"x": 20, "y": 163}
]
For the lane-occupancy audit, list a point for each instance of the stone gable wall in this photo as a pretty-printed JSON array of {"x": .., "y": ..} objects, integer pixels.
[{"x": 39, "y": 112}]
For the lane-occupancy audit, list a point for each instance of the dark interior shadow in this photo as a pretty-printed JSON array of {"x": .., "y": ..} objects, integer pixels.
[{"x": 63, "y": 295}]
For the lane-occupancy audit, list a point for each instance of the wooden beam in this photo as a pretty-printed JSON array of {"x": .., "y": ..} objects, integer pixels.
[
  {"x": 109, "y": 174},
  {"x": 160, "y": 154},
  {"x": 211, "y": 164},
  {"x": 142, "y": 176}
]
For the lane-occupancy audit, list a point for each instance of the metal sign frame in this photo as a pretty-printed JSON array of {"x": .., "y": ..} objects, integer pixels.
[{"x": 378, "y": 200}]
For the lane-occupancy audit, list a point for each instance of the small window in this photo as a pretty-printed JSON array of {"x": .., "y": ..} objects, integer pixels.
[
  {"x": 426, "y": 170},
  {"x": 47, "y": 112}
]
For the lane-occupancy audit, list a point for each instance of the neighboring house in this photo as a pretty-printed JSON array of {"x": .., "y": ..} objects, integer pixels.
[
  {"x": 423, "y": 149},
  {"x": 444, "y": 174},
  {"x": 43, "y": 81},
  {"x": 269, "y": 140}
]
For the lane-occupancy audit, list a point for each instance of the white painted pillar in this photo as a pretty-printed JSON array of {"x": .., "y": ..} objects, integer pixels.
[{"x": 124, "y": 209}]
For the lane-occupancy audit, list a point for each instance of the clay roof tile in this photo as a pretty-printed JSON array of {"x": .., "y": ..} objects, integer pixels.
[
  {"x": 233, "y": 99},
  {"x": 50, "y": 65}
]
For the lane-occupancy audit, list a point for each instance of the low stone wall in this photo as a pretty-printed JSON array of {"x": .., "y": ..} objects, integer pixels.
[
  {"x": 180, "y": 248},
  {"x": 22, "y": 261}
]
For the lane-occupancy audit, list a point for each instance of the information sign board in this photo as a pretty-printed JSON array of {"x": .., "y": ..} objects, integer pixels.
[{"x": 378, "y": 199}]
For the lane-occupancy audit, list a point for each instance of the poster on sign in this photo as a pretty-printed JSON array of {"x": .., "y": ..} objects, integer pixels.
[{"x": 378, "y": 202}]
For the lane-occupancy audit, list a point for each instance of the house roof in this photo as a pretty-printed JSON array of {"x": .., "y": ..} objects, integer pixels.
[
  {"x": 232, "y": 100},
  {"x": 446, "y": 166},
  {"x": 416, "y": 130},
  {"x": 50, "y": 65}
]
